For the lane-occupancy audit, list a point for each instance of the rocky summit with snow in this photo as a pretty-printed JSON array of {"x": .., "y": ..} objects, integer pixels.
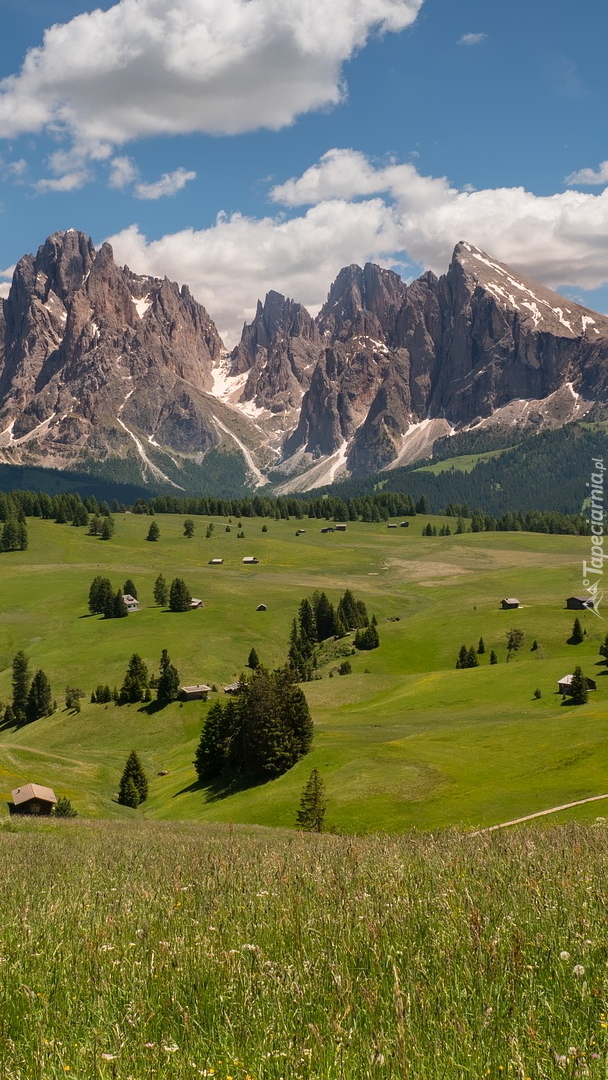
[{"x": 101, "y": 366}]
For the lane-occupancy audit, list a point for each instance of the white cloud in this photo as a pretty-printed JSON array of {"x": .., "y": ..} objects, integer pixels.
[
  {"x": 471, "y": 39},
  {"x": 4, "y": 290},
  {"x": 590, "y": 176},
  {"x": 158, "y": 67},
  {"x": 123, "y": 172},
  {"x": 231, "y": 264},
  {"x": 388, "y": 214},
  {"x": 169, "y": 184}
]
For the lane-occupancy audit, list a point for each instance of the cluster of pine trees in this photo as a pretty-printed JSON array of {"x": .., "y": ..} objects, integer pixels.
[
  {"x": 13, "y": 535},
  {"x": 317, "y": 620},
  {"x": 259, "y": 734},
  {"x": 32, "y": 698},
  {"x": 104, "y": 601},
  {"x": 138, "y": 683}
]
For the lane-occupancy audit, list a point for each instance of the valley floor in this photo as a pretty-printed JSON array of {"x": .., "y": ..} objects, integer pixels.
[{"x": 405, "y": 741}]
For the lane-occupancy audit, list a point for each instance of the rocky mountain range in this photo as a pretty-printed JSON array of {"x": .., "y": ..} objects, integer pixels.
[{"x": 100, "y": 366}]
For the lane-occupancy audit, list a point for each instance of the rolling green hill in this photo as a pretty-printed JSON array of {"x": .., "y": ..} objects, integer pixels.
[{"x": 405, "y": 741}]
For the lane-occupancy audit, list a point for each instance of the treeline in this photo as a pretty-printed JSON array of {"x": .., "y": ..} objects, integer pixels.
[{"x": 259, "y": 734}]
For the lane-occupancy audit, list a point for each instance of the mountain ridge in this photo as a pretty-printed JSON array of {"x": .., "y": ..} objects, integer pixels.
[{"x": 100, "y": 363}]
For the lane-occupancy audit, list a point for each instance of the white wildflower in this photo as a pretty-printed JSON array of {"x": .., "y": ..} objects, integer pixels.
[
  {"x": 564, "y": 955},
  {"x": 578, "y": 969}
]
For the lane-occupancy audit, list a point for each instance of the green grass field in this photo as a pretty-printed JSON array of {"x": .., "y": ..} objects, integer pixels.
[
  {"x": 404, "y": 742},
  {"x": 131, "y": 952}
]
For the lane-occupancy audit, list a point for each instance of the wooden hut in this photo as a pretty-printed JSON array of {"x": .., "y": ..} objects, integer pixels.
[
  {"x": 198, "y": 692},
  {"x": 33, "y": 799},
  {"x": 579, "y": 603},
  {"x": 232, "y": 688},
  {"x": 564, "y": 685},
  {"x": 250, "y": 559},
  {"x": 509, "y": 603},
  {"x": 215, "y": 562},
  {"x": 261, "y": 607}
]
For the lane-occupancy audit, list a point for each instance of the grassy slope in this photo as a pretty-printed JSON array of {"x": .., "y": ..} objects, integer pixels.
[
  {"x": 404, "y": 741},
  {"x": 463, "y": 463}
]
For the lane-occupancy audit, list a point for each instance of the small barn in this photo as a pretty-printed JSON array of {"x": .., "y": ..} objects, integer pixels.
[
  {"x": 130, "y": 601},
  {"x": 340, "y": 528},
  {"x": 215, "y": 562},
  {"x": 564, "y": 685},
  {"x": 509, "y": 603},
  {"x": 261, "y": 607},
  {"x": 195, "y": 602},
  {"x": 33, "y": 799},
  {"x": 194, "y": 693},
  {"x": 579, "y": 603},
  {"x": 404, "y": 524},
  {"x": 232, "y": 688},
  {"x": 250, "y": 559},
  {"x": 391, "y": 526},
  {"x": 328, "y": 529}
]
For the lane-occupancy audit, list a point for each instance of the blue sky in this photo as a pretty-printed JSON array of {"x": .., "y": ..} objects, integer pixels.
[{"x": 241, "y": 145}]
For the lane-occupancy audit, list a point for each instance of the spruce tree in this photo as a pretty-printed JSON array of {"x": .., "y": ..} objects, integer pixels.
[
  {"x": 63, "y": 808},
  {"x": 493, "y": 657},
  {"x": 578, "y": 687},
  {"x": 119, "y": 608},
  {"x": 313, "y": 804},
  {"x": 253, "y": 660},
  {"x": 39, "y": 699},
  {"x": 153, "y": 531},
  {"x": 461, "y": 661},
  {"x": 481, "y": 647},
  {"x": 168, "y": 681},
  {"x": 107, "y": 528},
  {"x": 577, "y": 633},
  {"x": 129, "y": 589},
  {"x": 161, "y": 592},
  {"x": 21, "y": 685},
  {"x": 188, "y": 527},
  {"x": 472, "y": 660},
  {"x": 211, "y": 752},
  {"x": 133, "y": 778},
  {"x": 135, "y": 682},
  {"x": 100, "y": 593},
  {"x": 179, "y": 596}
]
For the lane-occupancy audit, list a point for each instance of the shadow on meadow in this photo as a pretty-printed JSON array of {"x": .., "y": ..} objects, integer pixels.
[{"x": 222, "y": 787}]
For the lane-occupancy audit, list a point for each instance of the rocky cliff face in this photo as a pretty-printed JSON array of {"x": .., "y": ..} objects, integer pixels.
[{"x": 97, "y": 362}]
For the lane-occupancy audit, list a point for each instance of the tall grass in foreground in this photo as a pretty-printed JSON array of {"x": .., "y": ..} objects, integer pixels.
[{"x": 183, "y": 951}]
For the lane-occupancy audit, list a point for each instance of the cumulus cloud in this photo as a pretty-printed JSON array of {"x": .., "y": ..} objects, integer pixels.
[
  {"x": 471, "y": 39},
  {"x": 590, "y": 176},
  {"x": 389, "y": 213},
  {"x": 159, "y": 67},
  {"x": 123, "y": 171},
  {"x": 238, "y": 259},
  {"x": 169, "y": 184}
]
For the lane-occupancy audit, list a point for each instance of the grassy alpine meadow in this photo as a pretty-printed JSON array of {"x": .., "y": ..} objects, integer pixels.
[
  {"x": 239, "y": 953},
  {"x": 405, "y": 741}
]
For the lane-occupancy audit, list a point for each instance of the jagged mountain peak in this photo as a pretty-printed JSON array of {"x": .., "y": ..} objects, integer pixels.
[{"x": 534, "y": 303}]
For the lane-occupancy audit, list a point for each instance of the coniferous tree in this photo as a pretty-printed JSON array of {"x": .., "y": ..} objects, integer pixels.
[
  {"x": 472, "y": 660},
  {"x": 161, "y": 592},
  {"x": 106, "y": 531},
  {"x": 39, "y": 699},
  {"x": 188, "y": 527},
  {"x": 167, "y": 688},
  {"x": 481, "y": 647},
  {"x": 212, "y": 750},
  {"x": 100, "y": 595},
  {"x": 119, "y": 608},
  {"x": 179, "y": 596},
  {"x": 577, "y": 633},
  {"x": 493, "y": 657},
  {"x": 9, "y": 716},
  {"x": 461, "y": 661},
  {"x": 367, "y": 638},
  {"x": 129, "y": 589},
  {"x": 603, "y": 650},
  {"x": 153, "y": 531},
  {"x": 253, "y": 660},
  {"x": 21, "y": 685},
  {"x": 578, "y": 687},
  {"x": 132, "y": 780},
  {"x": 515, "y": 640},
  {"x": 313, "y": 804},
  {"x": 135, "y": 682},
  {"x": 63, "y": 808}
]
